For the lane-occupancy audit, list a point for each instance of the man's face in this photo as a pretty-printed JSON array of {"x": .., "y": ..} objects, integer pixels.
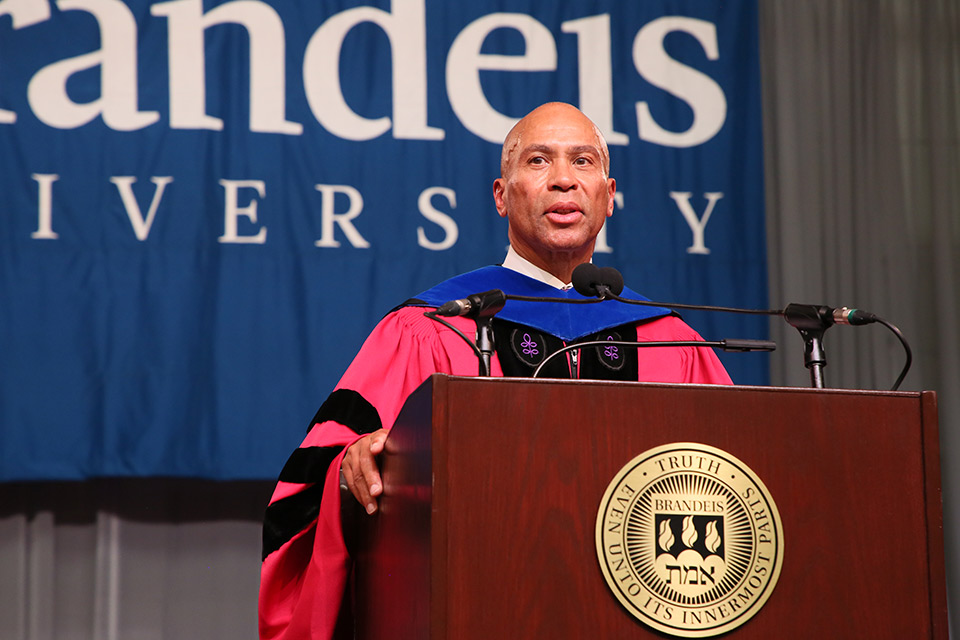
[{"x": 554, "y": 191}]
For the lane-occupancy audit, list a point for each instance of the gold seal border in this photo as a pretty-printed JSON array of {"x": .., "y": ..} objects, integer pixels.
[{"x": 632, "y": 607}]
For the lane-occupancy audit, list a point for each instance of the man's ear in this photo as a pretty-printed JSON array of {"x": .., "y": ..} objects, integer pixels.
[
  {"x": 611, "y": 191},
  {"x": 499, "y": 185}
]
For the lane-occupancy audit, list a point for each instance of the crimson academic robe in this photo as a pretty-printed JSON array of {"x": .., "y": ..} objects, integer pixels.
[{"x": 305, "y": 560}]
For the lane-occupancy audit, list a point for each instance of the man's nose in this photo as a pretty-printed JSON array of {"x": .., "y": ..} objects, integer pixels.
[{"x": 561, "y": 177}]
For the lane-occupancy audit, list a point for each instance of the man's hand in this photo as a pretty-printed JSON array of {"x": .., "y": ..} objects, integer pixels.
[{"x": 359, "y": 469}]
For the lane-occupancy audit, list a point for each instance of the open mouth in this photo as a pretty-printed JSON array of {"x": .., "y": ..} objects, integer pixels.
[{"x": 564, "y": 212}]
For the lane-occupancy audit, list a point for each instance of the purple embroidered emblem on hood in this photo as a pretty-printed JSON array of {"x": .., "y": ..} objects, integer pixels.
[
  {"x": 528, "y": 346},
  {"x": 611, "y": 356}
]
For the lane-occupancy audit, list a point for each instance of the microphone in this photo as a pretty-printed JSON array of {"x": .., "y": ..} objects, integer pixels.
[
  {"x": 810, "y": 320},
  {"x": 477, "y": 305},
  {"x": 593, "y": 281},
  {"x": 809, "y": 316},
  {"x": 606, "y": 282}
]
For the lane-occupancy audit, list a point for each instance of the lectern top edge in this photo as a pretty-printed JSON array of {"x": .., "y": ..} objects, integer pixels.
[{"x": 725, "y": 388}]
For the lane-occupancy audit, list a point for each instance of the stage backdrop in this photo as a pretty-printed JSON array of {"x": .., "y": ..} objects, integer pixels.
[{"x": 205, "y": 206}]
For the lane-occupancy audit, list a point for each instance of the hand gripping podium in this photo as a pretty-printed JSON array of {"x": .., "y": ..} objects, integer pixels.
[{"x": 487, "y": 526}]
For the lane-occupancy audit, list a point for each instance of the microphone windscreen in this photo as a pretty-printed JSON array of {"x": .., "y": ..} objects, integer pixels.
[
  {"x": 612, "y": 278},
  {"x": 585, "y": 279}
]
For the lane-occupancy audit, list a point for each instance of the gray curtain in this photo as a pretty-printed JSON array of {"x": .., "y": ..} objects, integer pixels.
[
  {"x": 861, "y": 111},
  {"x": 861, "y": 106},
  {"x": 133, "y": 559}
]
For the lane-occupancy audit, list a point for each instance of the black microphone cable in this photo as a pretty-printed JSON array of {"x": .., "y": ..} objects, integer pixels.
[
  {"x": 728, "y": 344},
  {"x": 433, "y": 316}
]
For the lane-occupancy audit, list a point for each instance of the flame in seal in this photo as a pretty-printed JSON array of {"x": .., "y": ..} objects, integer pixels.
[
  {"x": 712, "y": 539},
  {"x": 689, "y": 535},
  {"x": 666, "y": 539}
]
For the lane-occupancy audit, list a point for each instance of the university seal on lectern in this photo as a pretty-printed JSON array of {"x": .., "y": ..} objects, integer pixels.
[{"x": 689, "y": 540}]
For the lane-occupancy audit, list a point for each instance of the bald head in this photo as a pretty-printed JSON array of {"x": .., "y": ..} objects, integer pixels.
[
  {"x": 551, "y": 111},
  {"x": 554, "y": 188}
]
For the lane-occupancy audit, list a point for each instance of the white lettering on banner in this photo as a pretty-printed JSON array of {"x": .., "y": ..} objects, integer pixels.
[
  {"x": 117, "y": 59},
  {"x": 44, "y": 206},
  {"x": 445, "y": 222},
  {"x": 601, "y": 245},
  {"x": 405, "y": 26},
  {"x": 141, "y": 226},
  {"x": 23, "y": 13},
  {"x": 464, "y": 63},
  {"x": 694, "y": 87},
  {"x": 231, "y": 212},
  {"x": 328, "y": 218},
  {"x": 186, "y": 26},
  {"x": 595, "y": 75},
  {"x": 697, "y": 225}
]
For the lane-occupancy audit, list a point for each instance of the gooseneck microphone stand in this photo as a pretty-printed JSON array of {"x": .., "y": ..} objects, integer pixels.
[
  {"x": 485, "y": 340},
  {"x": 812, "y": 322},
  {"x": 481, "y": 307}
]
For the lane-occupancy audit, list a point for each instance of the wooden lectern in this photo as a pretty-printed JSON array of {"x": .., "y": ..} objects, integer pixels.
[{"x": 486, "y": 527}]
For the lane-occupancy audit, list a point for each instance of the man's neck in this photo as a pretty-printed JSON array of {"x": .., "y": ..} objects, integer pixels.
[{"x": 515, "y": 262}]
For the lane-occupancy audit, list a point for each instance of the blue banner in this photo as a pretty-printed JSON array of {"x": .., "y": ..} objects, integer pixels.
[{"x": 206, "y": 206}]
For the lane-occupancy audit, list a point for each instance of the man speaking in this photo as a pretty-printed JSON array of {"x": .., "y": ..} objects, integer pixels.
[{"x": 555, "y": 192}]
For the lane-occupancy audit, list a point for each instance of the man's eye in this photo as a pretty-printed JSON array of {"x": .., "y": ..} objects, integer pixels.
[
  {"x": 582, "y": 161},
  {"x": 537, "y": 160}
]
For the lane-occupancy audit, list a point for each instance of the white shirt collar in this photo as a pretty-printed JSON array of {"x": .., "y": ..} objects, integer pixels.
[{"x": 515, "y": 262}]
